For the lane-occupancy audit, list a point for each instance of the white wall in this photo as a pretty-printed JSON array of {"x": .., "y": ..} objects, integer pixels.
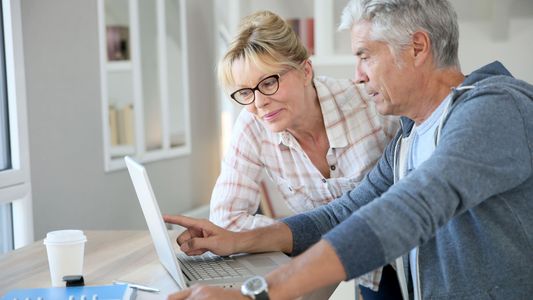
[
  {"x": 496, "y": 30},
  {"x": 70, "y": 187}
]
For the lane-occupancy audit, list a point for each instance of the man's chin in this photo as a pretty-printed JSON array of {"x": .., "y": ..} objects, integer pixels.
[{"x": 383, "y": 109}]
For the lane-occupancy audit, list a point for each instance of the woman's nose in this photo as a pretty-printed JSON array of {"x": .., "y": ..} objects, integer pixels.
[{"x": 260, "y": 99}]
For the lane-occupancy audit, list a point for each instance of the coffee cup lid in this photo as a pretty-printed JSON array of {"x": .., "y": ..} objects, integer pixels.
[{"x": 64, "y": 237}]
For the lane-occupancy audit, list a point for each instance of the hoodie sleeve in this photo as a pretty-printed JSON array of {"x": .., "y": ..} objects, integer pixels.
[{"x": 484, "y": 151}]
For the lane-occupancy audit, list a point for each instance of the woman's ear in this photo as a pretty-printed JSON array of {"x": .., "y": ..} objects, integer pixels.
[{"x": 308, "y": 71}]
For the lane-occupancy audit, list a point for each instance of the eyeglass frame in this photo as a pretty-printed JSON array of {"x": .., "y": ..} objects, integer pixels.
[{"x": 256, "y": 88}]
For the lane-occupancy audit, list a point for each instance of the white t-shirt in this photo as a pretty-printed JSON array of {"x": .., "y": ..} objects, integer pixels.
[{"x": 422, "y": 146}]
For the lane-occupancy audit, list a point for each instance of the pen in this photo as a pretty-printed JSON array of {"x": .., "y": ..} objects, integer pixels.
[{"x": 138, "y": 286}]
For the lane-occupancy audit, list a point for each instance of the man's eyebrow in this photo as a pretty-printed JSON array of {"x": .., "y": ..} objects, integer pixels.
[{"x": 360, "y": 51}]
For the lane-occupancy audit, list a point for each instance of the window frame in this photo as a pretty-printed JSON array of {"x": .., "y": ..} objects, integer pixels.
[{"x": 15, "y": 186}]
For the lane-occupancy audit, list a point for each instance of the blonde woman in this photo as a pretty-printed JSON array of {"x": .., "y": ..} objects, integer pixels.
[{"x": 315, "y": 137}]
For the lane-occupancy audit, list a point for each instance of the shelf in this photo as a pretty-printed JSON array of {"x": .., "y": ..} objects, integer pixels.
[
  {"x": 119, "y": 66},
  {"x": 121, "y": 150},
  {"x": 144, "y": 93}
]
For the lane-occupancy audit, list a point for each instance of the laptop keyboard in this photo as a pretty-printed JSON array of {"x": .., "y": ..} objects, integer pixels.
[{"x": 211, "y": 266}]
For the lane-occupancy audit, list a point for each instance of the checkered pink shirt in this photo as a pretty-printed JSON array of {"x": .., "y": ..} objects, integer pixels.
[{"x": 357, "y": 136}]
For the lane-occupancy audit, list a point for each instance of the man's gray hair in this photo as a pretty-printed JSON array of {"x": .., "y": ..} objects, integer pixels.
[{"x": 394, "y": 22}]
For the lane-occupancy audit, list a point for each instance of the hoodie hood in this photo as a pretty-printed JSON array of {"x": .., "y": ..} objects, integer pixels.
[
  {"x": 493, "y": 69},
  {"x": 488, "y": 74}
]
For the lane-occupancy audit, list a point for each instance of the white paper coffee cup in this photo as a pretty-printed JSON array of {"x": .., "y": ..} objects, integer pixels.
[{"x": 65, "y": 254}]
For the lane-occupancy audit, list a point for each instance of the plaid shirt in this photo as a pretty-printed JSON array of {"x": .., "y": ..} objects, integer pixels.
[{"x": 357, "y": 136}]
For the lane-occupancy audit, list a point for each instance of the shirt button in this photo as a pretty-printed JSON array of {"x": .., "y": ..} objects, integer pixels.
[
  {"x": 324, "y": 180},
  {"x": 332, "y": 167}
]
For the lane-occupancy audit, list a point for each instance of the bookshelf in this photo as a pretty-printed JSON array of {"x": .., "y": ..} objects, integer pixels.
[
  {"x": 332, "y": 51},
  {"x": 144, "y": 80}
]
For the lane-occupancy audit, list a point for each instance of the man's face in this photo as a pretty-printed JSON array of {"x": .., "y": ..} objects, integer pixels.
[{"x": 389, "y": 80}]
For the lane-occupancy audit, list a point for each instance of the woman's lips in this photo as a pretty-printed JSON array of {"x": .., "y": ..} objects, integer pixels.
[{"x": 271, "y": 115}]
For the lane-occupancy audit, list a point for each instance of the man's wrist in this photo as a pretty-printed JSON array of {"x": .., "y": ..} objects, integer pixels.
[
  {"x": 245, "y": 241},
  {"x": 253, "y": 241}
]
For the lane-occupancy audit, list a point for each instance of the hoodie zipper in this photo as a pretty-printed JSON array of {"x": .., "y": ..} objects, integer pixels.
[
  {"x": 418, "y": 291},
  {"x": 400, "y": 273}
]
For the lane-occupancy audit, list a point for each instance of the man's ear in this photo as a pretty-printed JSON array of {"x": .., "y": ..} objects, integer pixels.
[{"x": 421, "y": 47}]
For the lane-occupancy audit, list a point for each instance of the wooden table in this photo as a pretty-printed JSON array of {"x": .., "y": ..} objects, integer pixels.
[{"x": 109, "y": 255}]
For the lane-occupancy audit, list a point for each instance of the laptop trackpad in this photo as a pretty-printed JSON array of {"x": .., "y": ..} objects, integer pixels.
[{"x": 260, "y": 261}]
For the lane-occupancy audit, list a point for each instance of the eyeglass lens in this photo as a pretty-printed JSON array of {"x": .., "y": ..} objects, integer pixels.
[{"x": 267, "y": 86}]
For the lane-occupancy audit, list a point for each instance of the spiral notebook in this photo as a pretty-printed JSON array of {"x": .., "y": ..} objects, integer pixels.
[{"x": 107, "y": 292}]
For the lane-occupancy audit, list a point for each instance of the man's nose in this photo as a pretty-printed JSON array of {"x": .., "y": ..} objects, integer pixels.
[{"x": 360, "y": 76}]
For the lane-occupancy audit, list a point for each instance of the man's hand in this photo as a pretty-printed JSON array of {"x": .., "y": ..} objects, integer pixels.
[
  {"x": 201, "y": 236},
  {"x": 200, "y": 292}
]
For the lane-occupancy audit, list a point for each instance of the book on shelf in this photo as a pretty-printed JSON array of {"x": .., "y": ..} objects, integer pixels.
[
  {"x": 118, "y": 42},
  {"x": 121, "y": 125},
  {"x": 128, "y": 117},
  {"x": 113, "y": 125},
  {"x": 305, "y": 29}
]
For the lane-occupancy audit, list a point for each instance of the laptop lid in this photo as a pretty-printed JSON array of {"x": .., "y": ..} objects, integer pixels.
[
  {"x": 154, "y": 220},
  {"x": 244, "y": 265}
]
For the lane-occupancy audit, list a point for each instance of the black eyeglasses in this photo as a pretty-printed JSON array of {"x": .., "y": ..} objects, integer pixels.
[{"x": 268, "y": 86}]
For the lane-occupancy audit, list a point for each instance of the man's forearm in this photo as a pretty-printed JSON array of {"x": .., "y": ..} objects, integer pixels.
[
  {"x": 275, "y": 237},
  {"x": 315, "y": 268}
]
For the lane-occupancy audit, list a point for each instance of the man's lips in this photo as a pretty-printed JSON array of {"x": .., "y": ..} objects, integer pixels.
[{"x": 372, "y": 93}]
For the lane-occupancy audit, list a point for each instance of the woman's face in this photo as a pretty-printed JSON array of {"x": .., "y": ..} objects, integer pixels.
[{"x": 283, "y": 109}]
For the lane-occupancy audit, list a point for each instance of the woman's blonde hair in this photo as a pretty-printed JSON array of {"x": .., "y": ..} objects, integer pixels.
[{"x": 266, "y": 41}]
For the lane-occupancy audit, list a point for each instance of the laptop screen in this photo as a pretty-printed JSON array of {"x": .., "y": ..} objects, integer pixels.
[{"x": 154, "y": 220}]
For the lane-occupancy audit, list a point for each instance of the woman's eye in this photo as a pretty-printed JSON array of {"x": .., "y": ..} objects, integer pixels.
[
  {"x": 269, "y": 82},
  {"x": 244, "y": 93}
]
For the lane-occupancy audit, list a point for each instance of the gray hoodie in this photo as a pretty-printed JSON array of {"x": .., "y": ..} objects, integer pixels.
[{"x": 469, "y": 207}]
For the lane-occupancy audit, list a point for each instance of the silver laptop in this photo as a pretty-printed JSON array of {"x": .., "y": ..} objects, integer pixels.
[{"x": 206, "y": 269}]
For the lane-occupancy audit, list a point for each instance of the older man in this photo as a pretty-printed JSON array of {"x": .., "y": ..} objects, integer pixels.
[{"x": 450, "y": 203}]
